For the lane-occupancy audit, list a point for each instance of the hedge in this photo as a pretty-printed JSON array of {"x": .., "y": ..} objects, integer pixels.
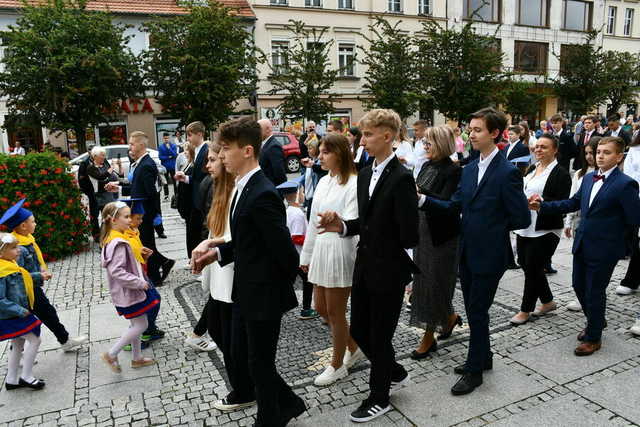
[{"x": 52, "y": 195}]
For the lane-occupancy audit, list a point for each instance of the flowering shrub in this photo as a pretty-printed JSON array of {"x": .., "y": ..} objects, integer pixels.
[{"x": 53, "y": 197}]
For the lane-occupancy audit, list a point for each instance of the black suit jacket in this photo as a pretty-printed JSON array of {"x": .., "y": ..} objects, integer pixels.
[
  {"x": 567, "y": 149},
  {"x": 557, "y": 187},
  {"x": 387, "y": 225},
  {"x": 622, "y": 134},
  {"x": 272, "y": 161},
  {"x": 518, "y": 151},
  {"x": 143, "y": 185},
  {"x": 198, "y": 173},
  {"x": 266, "y": 262},
  {"x": 577, "y": 163}
]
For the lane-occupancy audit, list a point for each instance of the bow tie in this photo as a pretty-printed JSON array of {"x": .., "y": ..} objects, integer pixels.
[{"x": 597, "y": 178}]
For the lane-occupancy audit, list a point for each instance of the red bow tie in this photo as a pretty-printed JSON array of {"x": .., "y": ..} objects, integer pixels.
[{"x": 597, "y": 178}]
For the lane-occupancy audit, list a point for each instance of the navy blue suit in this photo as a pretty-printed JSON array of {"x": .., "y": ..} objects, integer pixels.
[
  {"x": 599, "y": 241},
  {"x": 490, "y": 209},
  {"x": 519, "y": 150},
  {"x": 272, "y": 161},
  {"x": 196, "y": 216}
]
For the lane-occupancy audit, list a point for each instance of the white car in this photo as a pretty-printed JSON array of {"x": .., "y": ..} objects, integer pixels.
[{"x": 115, "y": 152}]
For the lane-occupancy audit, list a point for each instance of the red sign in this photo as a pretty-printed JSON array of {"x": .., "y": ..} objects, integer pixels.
[{"x": 132, "y": 106}]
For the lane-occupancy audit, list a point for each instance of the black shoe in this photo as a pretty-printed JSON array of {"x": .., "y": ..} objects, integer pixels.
[
  {"x": 36, "y": 384},
  {"x": 368, "y": 411},
  {"x": 293, "y": 411},
  {"x": 462, "y": 369},
  {"x": 419, "y": 356},
  {"x": 466, "y": 384},
  {"x": 513, "y": 266},
  {"x": 445, "y": 335},
  {"x": 12, "y": 386},
  {"x": 550, "y": 270},
  {"x": 153, "y": 334},
  {"x": 166, "y": 269},
  {"x": 162, "y": 235}
]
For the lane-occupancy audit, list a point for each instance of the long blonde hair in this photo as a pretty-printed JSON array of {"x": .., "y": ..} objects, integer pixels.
[
  {"x": 443, "y": 141},
  {"x": 224, "y": 184},
  {"x": 109, "y": 212}
]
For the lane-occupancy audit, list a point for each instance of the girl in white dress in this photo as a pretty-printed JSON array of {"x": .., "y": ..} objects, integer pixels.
[{"x": 329, "y": 258}]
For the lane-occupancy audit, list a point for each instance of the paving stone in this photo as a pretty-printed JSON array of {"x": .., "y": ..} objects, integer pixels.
[
  {"x": 612, "y": 393},
  {"x": 105, "y": 322},
  {"x": 71, "y": 321}
]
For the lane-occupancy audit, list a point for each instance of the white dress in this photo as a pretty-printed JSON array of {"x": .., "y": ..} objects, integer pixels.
[{"x": 330, "y": 257}]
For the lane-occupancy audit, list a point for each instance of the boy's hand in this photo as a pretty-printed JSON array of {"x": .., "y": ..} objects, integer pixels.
[
  {"x": 146, "y": 253},
  {"x": 46, "y": 275}
]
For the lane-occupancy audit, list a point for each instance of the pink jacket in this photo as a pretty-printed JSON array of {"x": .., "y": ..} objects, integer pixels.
[{"x": 124, "y": 276}]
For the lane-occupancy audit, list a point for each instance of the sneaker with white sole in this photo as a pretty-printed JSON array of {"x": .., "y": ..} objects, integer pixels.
[
  {"x": 635, "y": 329},
  {"x": 74, "y": 343},
  {"x": 574, "y": 305},
  {"x": 351, "y": 359},
  {"x": 397, "y": 385},
  {"x": 229, "y": 403},
  {"x": 331, "y": 375},
  {"x": 200, "y": 344},
  {"x": 368, "y": 411},
  {"x": 623, "y": 290}
]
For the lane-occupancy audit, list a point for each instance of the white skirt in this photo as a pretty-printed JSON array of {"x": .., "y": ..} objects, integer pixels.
[{"x": 332, "y": 261}]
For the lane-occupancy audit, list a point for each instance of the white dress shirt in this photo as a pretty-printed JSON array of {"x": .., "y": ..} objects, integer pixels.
[
  {"x": 377, "y": 172},
  {"x": 535, "y": 185},
  {"x": 241, "y": 182},
  {"x": 598, "y": 184},
  {"x": 615, "y": 132},
  {"x": 483, "y": 164},
  {"x": 511, "y": 145},
  {"x": 419, "y": 157}
]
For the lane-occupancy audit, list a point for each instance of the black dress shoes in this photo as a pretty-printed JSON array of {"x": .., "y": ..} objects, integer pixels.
[
  {"x": 294, "y": 410},
  {"x": 466, "y": 384},
  {"x": 36, "y": 384},
  {"x": 419, "y": 356},
  {"x": 462, "y": 369},
  {"x": 166, "y": 268}
]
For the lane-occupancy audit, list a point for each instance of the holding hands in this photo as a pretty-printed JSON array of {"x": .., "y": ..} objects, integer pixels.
[
  {"x": 203, "y": 255},
  {"x": 534, "y": 202},
  {"x": 330, "y": 222},
  {"x": 180, "y": 176}
]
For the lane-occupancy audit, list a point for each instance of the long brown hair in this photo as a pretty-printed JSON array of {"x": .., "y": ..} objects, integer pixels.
[
  {"x": 339, "y": 145},
  {"x": 223, "y": 187},
  {"x": 526, "y": 134}
]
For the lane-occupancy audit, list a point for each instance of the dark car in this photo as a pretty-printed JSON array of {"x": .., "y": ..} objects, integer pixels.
[{"x": 291, "y": 148}]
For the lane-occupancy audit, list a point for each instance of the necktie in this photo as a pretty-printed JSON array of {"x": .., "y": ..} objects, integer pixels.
[
  {"x": 587, "y": 138},
  {"x": 597, "y": 178}
]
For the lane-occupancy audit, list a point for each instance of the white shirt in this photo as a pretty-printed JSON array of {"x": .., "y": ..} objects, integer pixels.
[
  {"x": 598, "y": 184},
  {"x": 483, "y": 164},
  {"x": 18, "y": 152},
  {"x": 616, "y": 132},
  {"x": 241, "y": 182},
  {"x": 405, "y": 150},
  {"x": 632, "y": 163},
  {"x": 535, "y": 185},
  {"x": 265, "y": 141},
  {"x": 511, "y": 145},
  {"x": 296, "y": 223},
  {"x": 419, "y": 157},
  {"x": 377, "y": 172}
]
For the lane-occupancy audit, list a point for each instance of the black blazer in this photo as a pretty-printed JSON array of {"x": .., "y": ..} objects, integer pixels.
[
  {"x": 577, "y": 163},
  {"x": 443, "y": 184},
  {"x": 387, "y": 225},
  {"x": 198, "y": 173},
  {"x": 622, "y": 134},
  {"x": 557, "y": 187},
  {"x": 143, "y": 185},
  {"x": 266, "y": 262},
  {"x": 272, "y": 161},
  {"x": 518, "y": 151},
  {"x": 567, "y": 149}
]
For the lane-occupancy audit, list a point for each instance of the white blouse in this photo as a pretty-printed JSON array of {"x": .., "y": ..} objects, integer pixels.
[{"x": 535, "y": 185}]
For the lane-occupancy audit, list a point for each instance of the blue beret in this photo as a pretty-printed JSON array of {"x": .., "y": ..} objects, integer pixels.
[
  {"x": 15, "y": 215},
  {"x": 288, "y": 187}
]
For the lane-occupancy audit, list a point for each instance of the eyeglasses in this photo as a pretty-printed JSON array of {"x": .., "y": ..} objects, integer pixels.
[{"x": 427, "y": 144}]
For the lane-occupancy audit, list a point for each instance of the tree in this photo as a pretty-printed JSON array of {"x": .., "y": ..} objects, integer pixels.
[
  {"x": 580, "y": 80},
  {"x": 459, "y": 70},
  {"x": 521, "y": 98},
  {"x": 390, "y": 80},
  {"x": 302, "y": 74},
  {"x": 621, "y": 78},
  {"x": 66, "y": 67},
  {"x": 200, "y": 64}
]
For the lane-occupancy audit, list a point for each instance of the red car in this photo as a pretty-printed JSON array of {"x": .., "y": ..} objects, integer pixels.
[{"x": 291, "y": 149}]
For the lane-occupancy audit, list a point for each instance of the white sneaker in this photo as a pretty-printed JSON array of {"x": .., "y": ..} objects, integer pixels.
[
  {"x": 396, "y": 385},
  {"x": 199, "y": 278},
  {"x": 623, "y": 290},
  {"x": 200, "y": 344},
  {"x": 574, "y": 305},
  {"x": 73, "y": 344},
  {"x": 331, "y": 375},
  {"x": 635, "y": 329},
  {"x": 351, "y": 359}
]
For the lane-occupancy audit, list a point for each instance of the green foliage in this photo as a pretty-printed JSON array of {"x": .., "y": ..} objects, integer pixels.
[
  {"x": 52, "y": 196},
  {"x": 65, "y": 67},
  {"x": 521, "y": 99},
  {"x": 305, "y": 78},
  {"x": 200, "y": 64},
  {"x": 621, "y": 78},
  {"x": 580, "y": 80},
  {"x": 391, "y": 69},
  {"x": 459, "y": 69}
]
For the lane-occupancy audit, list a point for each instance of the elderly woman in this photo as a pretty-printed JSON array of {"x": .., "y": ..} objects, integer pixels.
[
  {"x": 436, "y": 254},
  {"x": 101, "y": 173}
]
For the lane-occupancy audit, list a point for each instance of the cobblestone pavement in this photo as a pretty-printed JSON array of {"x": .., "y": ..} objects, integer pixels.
[{"x": 536, "y": 379}]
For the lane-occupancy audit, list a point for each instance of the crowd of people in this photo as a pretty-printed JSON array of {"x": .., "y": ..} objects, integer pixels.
[{"x": 374, "y": 218}]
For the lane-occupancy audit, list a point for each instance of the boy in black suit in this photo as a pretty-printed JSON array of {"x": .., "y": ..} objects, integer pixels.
[
  {"x": 266, "y": 265},
  {"x": 387, "y": 225}
]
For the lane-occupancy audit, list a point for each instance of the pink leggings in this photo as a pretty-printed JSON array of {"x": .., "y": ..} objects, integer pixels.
[{"x": 131, "y": 336}]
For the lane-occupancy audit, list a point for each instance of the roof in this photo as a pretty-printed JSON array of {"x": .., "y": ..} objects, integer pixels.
[{"x": 145, "y": 7}]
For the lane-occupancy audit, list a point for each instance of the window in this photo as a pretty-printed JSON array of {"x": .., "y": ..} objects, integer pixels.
[
  {"x": 577, "y": 15},
  {"x": 611, "y": 19},
  {"x": 313, "y": 3},
  {"x": 534, "y": 13},
  {"x": 530, "y": 58},
  {"x": 482, "y": 10},
  {"x": 346, "y": 57},
  {"x": 628, "y": 22},
  {"x": 279, "y": 2},
  {"x": 394, "y": 6},
  {"x": 345, "y": 4},
  {"x": 278, "y": 55},
  {"x": 424, "y": 7}
]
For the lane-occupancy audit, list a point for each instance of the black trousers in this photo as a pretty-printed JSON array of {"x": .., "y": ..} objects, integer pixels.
[
  {"x": 94, "y": 212},
  {"x": 194, "y": 230},
  {"x": 169, "y": 177},
  {"x": 478, "y": 291},
  {"x": 632, "y": 277},
  {"x": 590, "y": 280},
  {"x": 534, "y": 254},
  {"x": 374, "y": 318},
  {"x": 257, "y": 340},
  {"x": 48, "y": 314},
  {"x": 156, "y": 260},
  {"x": 307, "y": 290}
]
